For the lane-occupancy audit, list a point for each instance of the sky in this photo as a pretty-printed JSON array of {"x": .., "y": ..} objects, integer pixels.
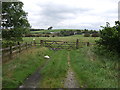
[{"x": 71, "y": 14}]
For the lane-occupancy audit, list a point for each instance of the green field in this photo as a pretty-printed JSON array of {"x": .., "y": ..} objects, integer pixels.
[
  {"x": 68, "y": 38},
  {"x": 91, "y": 70}
]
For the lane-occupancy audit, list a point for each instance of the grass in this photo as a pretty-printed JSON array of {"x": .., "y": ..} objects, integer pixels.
[
  {"x": 17, "y": 70},
  {"x": 91, "y": 72},
  {"x": 68, "y": 38},
  {"x": 55, "y": 71}
]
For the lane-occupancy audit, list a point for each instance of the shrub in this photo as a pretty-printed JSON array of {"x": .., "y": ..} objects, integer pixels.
[
  {"x": 53, "y": 35},
  {"x": 86, "y": 35},
  {"x": 110, "y": 38},
  {"x": 33, "y": 35},
  {"x": 47, "y": 35},
  {"x": 95, "y": 35}
]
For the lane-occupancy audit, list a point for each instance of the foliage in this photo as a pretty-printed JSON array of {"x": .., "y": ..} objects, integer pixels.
[
  {"x": 86, "y": 35},
  {"x": 95, "y": 35},
  {"x": 14, "y": 21},
  {"x": 6, "y": 43},
  {"x": 33, "y": 35},
  {"x": 66, "y": 33},
  {"x": 110, "y": 38},
  {"x": 50, "y": 28},
  {"x": 36, "y": 29}
]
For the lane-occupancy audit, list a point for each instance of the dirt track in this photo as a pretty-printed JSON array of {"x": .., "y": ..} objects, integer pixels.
[
  {"x": 33, "y": 80},
  {"x": 70, "y": 81}
]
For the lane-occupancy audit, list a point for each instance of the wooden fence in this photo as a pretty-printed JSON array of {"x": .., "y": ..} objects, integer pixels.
[
  {"x": 46, "y": 43},
  {"x": 16, "y": 49},
  {"x": 63, "y": 44}
]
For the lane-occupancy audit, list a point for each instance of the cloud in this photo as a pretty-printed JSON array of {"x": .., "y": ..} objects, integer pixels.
[
  {"x": 78, "y": 14},
  {"x": 54, "y": 14}
]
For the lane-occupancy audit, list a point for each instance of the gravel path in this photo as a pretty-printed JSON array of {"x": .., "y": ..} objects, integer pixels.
[{"x": 70, "y": 81}]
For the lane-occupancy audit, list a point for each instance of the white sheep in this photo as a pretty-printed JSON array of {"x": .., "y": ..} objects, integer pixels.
[
  {"x": 34, "y": 39},
  {"x": 47, "y": 57}
]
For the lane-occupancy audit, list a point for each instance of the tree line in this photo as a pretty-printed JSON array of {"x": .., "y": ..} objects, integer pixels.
[{"x": 86, "y": 33}]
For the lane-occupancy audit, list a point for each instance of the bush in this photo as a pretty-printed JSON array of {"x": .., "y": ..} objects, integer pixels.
[
  {"x": 53, "y": 35},
  {"x": 110, "y": 38},
  {"x": 47, "y": 35},
  {"x": 95, "y": 35},
  {"x": 7, "y": 43},
  {"x": 86, "y": 35},
  {"x": 33, "y": 35},
  {"x": 66, "y": 33}
]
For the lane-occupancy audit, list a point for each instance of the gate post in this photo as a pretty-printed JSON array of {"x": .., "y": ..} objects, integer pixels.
[
  {"x": 26, "y": 45},
  {"x": 10, "y": 49},
  {"x": 88, "y": 44},
  {"x": 34, "y": 43},
  {"x": 77, "y": 43},
  {"x": 41, "y": 42},
  {"x": 19, "y": 47}
]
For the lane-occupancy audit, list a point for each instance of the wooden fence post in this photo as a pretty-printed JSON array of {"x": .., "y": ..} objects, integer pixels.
[
  {"x": 26, "y": 45},
  {"x": 10, "y": 49},
  {"x": 41, "y": 42},
  {"x": 19, "y": 47},
  {"x": 34, "y": 43},
  {"x": 88, "y": 44},
  {"x": 31, "y": 43},
  {"x": 77, "y": 44}
]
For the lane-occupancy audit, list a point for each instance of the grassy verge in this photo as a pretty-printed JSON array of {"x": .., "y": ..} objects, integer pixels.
[
  {"x": 91, "y": 71},
  {"x": 17, "y": 70},
  {"x": 55, "y": 71}
]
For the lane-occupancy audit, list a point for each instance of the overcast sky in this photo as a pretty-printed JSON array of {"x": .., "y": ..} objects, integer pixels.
[{"x": 71, "y": 14}]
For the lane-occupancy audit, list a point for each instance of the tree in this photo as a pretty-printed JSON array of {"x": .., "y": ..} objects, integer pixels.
[
  {"x": 14, "y": 21},
  {"x": 50, "y": 28},
  {"x": 107, "y": 24}
]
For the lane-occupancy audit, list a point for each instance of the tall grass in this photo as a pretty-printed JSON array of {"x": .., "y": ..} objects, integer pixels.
[
  {"x": 17, "y": 70},
  {"x": 91, "y": 72}
]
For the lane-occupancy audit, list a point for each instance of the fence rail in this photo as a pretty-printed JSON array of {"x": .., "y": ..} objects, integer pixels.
[{"x": 46, "y": 43}]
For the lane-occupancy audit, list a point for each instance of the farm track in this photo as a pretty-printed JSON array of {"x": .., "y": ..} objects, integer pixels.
[
  {"x": 70, "y": 81},
  {"x": 33, "y": 80}
]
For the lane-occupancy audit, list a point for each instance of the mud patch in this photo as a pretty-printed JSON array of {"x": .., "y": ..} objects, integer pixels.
[{"x": 33, "y": 80}]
